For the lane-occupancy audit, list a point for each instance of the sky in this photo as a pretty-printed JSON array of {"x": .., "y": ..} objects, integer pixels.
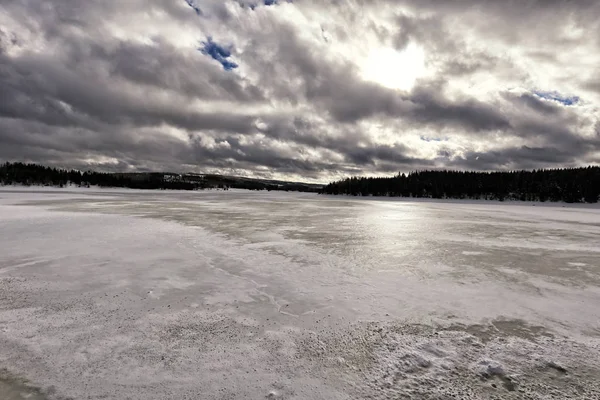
[{"x": 307, "y": 90}]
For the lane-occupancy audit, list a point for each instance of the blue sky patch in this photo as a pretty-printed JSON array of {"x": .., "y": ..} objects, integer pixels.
[
  {"x": 267, "y": 3},
  {"x": 433, "y": 139},
  {"x": 555, "y": 96},
  {"x": 219, "y": 53},
  {"x": 195, "y": 7}
]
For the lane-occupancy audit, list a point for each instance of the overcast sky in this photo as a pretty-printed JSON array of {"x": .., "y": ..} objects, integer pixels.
[{"x": 304, "y": 89}]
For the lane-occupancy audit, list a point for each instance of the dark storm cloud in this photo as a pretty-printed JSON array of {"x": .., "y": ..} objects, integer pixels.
[
  {"x": 310, "y": 134},
  {"x": 35, "y": 88},
  {"x": 163, "y": 66},
  {"x": 253, "y": 156},
  {"x": 432, "y": 108},
  {"x": 278, "y": 86},
  {"x": 393, "y": 154},
  {"x": 523, "y": 157},
  {"x": 593, "y": 84}
]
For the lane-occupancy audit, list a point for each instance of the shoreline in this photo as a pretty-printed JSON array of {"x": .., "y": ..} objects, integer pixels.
[{"x": 116, "y": 190}]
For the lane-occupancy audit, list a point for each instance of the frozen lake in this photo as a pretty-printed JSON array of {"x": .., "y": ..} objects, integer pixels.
[{"x": 253, "y": 295}]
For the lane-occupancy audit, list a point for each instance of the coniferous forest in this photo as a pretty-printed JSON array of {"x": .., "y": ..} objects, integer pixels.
[
  {"x": 39, "y": 175},
  {"x": 571, "y": 185}
]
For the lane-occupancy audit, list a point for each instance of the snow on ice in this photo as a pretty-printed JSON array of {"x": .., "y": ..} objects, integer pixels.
[{"x": 211, "y": 295}]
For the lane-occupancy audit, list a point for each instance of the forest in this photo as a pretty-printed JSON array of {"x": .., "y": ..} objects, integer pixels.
[
  {"x": 39, "y": 175},
  {"x": 570, "y": 185}
]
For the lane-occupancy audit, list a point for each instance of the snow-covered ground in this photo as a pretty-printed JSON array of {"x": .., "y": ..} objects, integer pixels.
[{"x": 127, "y": 294}]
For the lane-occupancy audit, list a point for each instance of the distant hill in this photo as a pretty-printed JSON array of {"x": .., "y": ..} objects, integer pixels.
[{"x": 34, "y": 174}]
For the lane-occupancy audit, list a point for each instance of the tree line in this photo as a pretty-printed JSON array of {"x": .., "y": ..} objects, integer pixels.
[
  {"x": 571, "y": 185},
  {"x": 39, "y": 175}
]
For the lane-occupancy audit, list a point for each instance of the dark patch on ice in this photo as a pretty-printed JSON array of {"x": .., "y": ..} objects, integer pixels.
[
  {"x": 502, "y": 328},
  {"x": 556, "y": 367},
  {"x": 593, "y": 332},
  {"x": 13, "y": 388}
]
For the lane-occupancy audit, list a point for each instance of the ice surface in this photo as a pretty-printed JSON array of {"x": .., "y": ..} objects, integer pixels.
[{"x": 210, "y": 295}]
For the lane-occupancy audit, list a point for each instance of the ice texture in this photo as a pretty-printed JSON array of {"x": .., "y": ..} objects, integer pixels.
[{"x": 124, "y": 294}]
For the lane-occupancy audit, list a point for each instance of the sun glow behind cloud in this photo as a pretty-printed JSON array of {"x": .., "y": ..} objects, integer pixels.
[{"x": 394, "y": 69}]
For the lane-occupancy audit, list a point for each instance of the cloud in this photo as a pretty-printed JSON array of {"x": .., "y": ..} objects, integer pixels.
[
  {"x": 278, "y": 88},
  {"x": 536, "y": 103}
]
